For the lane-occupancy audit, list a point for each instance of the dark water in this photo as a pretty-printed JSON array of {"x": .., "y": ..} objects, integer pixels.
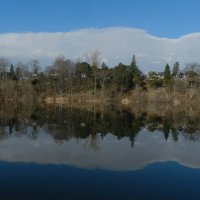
[{"x": 98, "y": 153}]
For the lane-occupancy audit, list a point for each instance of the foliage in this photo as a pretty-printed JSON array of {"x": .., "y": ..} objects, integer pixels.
[
  {"x": 154, "y": 79},
  {"x": 167, "y": 74},
  {"x": 12, "y": 73},
  {"x": 64, "y": 77},
  {"x": 122, "y": 77},
  {"x": 82, "y": 70},
  {"x": 137, "y": 76},
  {"x": 192, "y": 71},
  {"x": 176, "y": 69}
]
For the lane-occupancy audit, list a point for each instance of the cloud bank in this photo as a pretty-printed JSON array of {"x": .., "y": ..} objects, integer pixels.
[{"x": 116, "y": 45}]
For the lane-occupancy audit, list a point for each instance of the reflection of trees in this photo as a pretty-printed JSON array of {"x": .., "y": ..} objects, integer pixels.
[
  {"x": 84, "y": 125},
  {"x": 166, "y": 128},
  {"x": 92, "y": 142},
  {"x": 34, "y": 131},
  {"x": 192, "y": 136},
  {"x": 192, "y": 125},
  {"x": 66, "y": 123},
  {"x": 174, "y": 134},
  {"x": 181, "y": 123},
  {"x": 74, "y": 123}
]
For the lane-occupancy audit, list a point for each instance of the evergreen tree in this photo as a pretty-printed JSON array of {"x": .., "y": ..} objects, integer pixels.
[
  {"x": 82, "y": 69},
  {"x": 176, "y": 69},
  {"x": 18, "y": 73},
  {"x": 167, "y": 74},
  {"x": 133, "y": 62},
  {"x": 104, "y": 66},
  {"x": 12, "y": 72},
  {"x": 122, "y": 78},
  {"x": 135, "y": 71}
]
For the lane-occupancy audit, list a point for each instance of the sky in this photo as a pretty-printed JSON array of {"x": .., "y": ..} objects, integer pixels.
[{"x": 168, "y": 20}]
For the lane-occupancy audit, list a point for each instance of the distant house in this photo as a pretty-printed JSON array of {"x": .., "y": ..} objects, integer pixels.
[
  {"x": 181, "y": 76},
  {"x": 54, "y": 75},
  {"x": 150, "y": 76},
  {"x": 83, "y": 75},
  {"x": 34, "y": 76}
]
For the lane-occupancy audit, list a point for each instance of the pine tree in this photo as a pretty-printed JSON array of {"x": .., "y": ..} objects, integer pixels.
[
  {"x": 167, "y": 74},
  {"x": 135, "y": 71},
  {"x": 12, "y": 72},
  {"x": 18, "y": 73},
  {"x": 175, "y": 70}
]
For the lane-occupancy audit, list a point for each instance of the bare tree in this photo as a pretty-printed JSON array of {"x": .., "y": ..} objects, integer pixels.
[
  {"x": 60, "y": 65},
  {"x": 35, "y": 66},
  {"x": 4, "y": 63},
  {"x": 94, "y": 60},
  {"x": 23, "y": 70},
  {"x": 63, "y": 69},
  {"x": 192, "y": 67}
]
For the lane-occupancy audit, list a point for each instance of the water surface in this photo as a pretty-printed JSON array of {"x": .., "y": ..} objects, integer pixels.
[{"x": 110, "y": 153}]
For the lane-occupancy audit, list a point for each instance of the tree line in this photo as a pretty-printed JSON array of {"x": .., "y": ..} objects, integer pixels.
[
  {"x": 65, "y": 76},
  {"x": 71, "y": 123}
]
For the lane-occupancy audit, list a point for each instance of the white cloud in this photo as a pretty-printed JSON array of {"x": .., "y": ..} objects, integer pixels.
[{"x": 115, "y": 44}]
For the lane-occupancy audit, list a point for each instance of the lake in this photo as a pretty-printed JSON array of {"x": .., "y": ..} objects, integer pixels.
[{"x": 98, "y": 152}]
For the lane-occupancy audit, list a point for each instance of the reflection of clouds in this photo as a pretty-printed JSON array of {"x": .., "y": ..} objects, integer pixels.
[{"x": 112, "y": 154}]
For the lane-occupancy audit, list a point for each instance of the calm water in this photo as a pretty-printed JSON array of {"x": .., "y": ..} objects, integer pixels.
[{"x": 98, "y": 153}]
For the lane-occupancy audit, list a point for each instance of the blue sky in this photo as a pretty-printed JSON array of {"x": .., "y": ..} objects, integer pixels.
[
  {"x": 170, "y": 18},
  {"x": 156, "y": 31}
]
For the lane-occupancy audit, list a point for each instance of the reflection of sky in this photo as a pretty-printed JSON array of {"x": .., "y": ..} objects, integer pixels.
[
  {"x": 108, "y": 153},
  {"x": 156, "y": 181}
]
